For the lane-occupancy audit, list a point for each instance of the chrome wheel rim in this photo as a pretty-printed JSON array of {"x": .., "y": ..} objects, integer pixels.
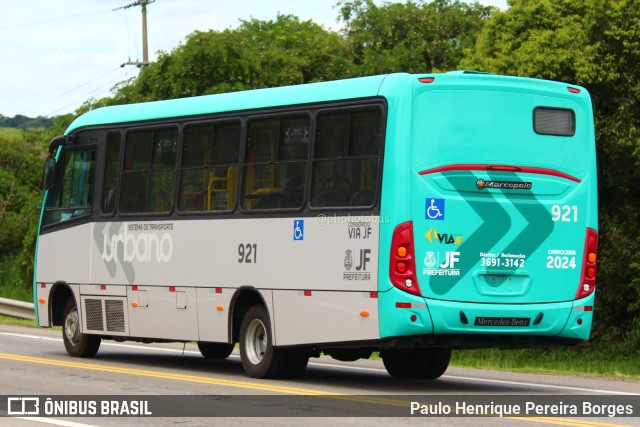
[
  {"x": 72, "y": 327},
  {"x": 256, "y": 341}
]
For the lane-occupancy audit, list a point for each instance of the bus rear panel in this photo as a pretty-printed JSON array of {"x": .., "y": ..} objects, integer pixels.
[{"x": 501, "y": 231}]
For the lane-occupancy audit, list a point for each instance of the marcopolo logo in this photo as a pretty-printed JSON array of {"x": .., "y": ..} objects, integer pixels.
[
  {"x": 503, "y": 185},
  {"x": 139, "y": 242}
]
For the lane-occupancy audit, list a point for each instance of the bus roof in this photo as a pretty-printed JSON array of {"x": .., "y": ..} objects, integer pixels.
[
  {"x": 234, "y": 101},
  {"x": 360, "y": 87}
]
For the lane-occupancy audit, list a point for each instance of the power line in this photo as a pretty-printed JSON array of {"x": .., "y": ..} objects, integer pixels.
[
  {"x": 75, "y": 101},
  {"x": 59, "y": 18},
  {"x": 88, "y": 96},
  {"x": 142, "y": 3},
  {"x": 69, "y": 91},
  {"x": 145, "y": 49},
  {"x": 133, "y": 40}
]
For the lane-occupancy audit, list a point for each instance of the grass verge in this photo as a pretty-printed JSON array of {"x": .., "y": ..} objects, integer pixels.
[
  {"x": 8, "y": 320},
  {"x": 18, "y": 293},
  {"x": 599, "y": 359}
]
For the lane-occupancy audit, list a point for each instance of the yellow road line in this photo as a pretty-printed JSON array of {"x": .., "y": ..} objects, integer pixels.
[
  {"x": 270, "y": 387},
  {"x": 163, "y": 375},
  {"x": 200, "y": 379},
  {"x": 567, "y": 422}
]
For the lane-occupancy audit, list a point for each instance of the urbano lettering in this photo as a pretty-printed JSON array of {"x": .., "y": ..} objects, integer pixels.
[{"x": 143, "y": 247}]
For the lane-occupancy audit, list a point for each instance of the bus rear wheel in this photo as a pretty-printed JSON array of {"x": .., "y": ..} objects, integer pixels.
[
  {"x": 298, "y": 360},
  {"x": 260, "y": 359},
  {"x": 416, "y": 363},
  {"x": 440, "y": 358},
  {"x": 76, "y": 343},
  {"x": 214, "y": 350}
]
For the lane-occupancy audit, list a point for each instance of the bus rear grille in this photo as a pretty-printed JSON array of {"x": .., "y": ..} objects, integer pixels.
[
  {"x": 93, "y": 310},
  {"x": 115, "y": 315}
]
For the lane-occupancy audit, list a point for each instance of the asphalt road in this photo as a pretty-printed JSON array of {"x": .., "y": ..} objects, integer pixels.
[{"x": 174, "y": 377}]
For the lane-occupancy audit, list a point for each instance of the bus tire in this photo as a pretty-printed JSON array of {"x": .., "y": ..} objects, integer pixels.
[
  {"x": 214, "y": 350},
  {"x": 260, "y": 359},
  {"x": 438, "y": 364},
  {"x": 76, "y": 343},
  {"x": 298, "y": 360},
  {"x": 405, "y": 363},
  {"x": 417, "y": 363}
]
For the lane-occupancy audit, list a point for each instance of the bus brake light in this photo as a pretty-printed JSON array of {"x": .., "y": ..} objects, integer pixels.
[
  {"x": 402, "y": 265},
  {"x": 588, "y": 276}
]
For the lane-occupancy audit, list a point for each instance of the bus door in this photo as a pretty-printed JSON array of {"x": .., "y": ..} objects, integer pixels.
[{"x": 63, "y": 249}]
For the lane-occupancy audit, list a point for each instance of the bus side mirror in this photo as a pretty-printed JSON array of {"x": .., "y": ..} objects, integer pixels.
[{"x": 49, "y": 173}]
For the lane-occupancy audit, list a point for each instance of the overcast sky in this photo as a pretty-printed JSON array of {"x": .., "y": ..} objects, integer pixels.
[{"x": 56, "y": 54}]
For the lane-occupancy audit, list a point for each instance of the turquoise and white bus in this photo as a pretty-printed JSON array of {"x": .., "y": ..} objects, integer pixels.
[{"x": 405, "y": 214}]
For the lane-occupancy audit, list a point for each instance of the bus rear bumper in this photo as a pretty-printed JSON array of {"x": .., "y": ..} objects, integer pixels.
[
  {"x": 422, "y": 316},
  {"x": 570, "y": 319}
]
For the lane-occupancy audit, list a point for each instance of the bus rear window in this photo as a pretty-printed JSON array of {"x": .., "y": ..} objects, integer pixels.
[{"x": 554, "y": 121}]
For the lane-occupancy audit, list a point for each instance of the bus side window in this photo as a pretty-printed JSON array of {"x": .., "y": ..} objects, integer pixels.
[
  {"x": 346, "y": 159},
  {"x": 111, "y": 169},
  {"x": 275, "y": 168},
  {"x": 72, "y": 193},
  {"x": 209, "y": 170},
  {"x": 148, "y": 174}
]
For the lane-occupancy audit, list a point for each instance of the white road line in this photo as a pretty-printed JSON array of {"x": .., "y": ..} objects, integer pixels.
[
  {"x": 590, "y": 390},
  {"x": 54, "y": 421},
  {"x": 108, "y": 344},
  {"x": 342, "y": 367},
  {"x": 9, "y": 334},
  {"x": 457, "y": 377}
]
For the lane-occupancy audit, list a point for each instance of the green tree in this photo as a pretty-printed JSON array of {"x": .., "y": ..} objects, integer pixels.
[
  {"x": 24, "y": 122},
  {"x": 596, "y": 44},
  {"x": 22, "y": 154},
  {"x": 416, "y": 36},
  {"x": 257, "y": 54},
  {"x": 21, "y": 158}
]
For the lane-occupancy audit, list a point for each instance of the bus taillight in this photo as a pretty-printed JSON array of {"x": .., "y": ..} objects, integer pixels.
[
  {"x": 402, "y": 265},
  {"x": 588, "y": 275}
]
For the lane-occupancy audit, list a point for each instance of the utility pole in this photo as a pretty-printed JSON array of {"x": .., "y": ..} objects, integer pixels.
[{"x": 145, "y": 45}]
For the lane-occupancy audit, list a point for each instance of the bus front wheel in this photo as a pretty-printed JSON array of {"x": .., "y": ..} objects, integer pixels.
[
  {"x": 76, "y": 343},
  {"x": 260, "y": 359}
]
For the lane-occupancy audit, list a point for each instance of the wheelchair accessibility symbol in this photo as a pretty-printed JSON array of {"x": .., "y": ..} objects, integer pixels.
[
  {"x": 298, "y": 229},
  {"x": 434, "y": 209}
]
